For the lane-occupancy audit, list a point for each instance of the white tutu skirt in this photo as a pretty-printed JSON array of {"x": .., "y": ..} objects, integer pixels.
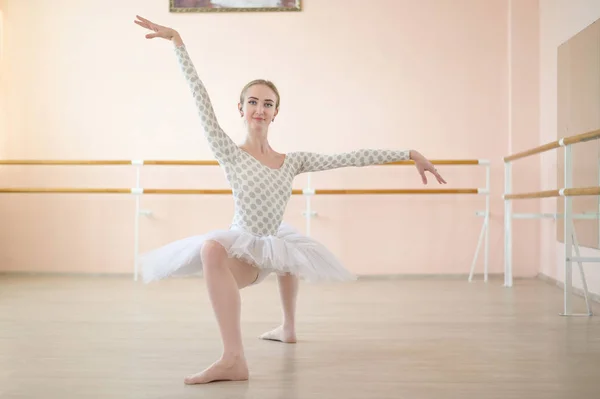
[{"x": 287, "y": 252}]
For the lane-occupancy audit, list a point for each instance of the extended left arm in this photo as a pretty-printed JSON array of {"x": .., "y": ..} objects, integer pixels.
[{"x": 313, "y": 162}]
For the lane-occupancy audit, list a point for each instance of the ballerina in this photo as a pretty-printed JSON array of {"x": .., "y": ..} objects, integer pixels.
[{"x": 257, "y": 243}]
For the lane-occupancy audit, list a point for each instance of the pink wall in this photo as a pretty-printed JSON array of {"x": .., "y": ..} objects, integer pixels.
[
  {"x": 3, "y": 73},
  {"x": 523, "y": 118},
  {"x": 83, "y": 83},
  {"x": 559, "y": 21}
]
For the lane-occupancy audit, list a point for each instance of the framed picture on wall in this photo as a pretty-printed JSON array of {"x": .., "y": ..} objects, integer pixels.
[{"x": 234, "y": 5}]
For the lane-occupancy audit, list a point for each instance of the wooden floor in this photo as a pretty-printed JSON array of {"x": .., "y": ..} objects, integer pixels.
[{"x": 85, "y": 337}]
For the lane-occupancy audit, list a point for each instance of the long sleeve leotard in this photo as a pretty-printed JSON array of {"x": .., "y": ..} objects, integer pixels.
[{"x": 260, "y": 192}]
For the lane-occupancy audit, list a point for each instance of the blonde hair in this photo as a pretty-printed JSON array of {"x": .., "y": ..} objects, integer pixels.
[{"x": 267, "y": 83}]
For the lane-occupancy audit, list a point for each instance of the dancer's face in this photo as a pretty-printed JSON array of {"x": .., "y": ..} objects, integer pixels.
[{"x": 259, "y": 107}]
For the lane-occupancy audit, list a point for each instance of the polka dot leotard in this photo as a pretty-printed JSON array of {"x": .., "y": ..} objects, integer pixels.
[{"x": 261, "y": 193}]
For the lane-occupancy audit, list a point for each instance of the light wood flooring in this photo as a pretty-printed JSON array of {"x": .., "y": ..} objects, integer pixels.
[{"x": 110, "y": 337}]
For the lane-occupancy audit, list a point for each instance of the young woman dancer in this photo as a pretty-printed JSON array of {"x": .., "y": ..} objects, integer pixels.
[{"x": 257, "y": 243}]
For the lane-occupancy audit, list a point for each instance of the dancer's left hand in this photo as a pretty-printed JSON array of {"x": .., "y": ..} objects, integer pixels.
[{"x": 424, "y": 165}]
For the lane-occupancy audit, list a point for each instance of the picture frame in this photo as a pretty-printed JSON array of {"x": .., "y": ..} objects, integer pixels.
[{"x": 189, "y": 6}]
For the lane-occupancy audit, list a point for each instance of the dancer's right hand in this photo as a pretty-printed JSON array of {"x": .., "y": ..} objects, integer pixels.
[{"x": 159, "y": 30}]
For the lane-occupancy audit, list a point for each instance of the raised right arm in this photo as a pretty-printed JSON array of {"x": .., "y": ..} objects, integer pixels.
[
  {"x": 223, "y": 148},
  {"x": 221, "y": 145}
]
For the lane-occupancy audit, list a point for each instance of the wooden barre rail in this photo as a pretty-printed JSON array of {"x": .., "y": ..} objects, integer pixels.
[
  {"x": 567, "y": 192},
  {"x": 536, "y": 150},
  {"x": 198, "y": 162},
  {"x": 537, "y": 194},
  {"x": 578, "y": 138},
  {"x": 41, "y": 190}
]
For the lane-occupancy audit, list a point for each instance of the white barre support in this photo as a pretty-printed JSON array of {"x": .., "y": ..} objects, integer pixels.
[
  {"x": 568, "y": 233},
  {"x": 488, "y": 173},
  {"x": 579, "y": 259},
  {"x": 508, "y": 280},
  {"x": 570, "y": 237},
  {"x": 484, "y": 234},
  {"x": 136, "y": 243}
]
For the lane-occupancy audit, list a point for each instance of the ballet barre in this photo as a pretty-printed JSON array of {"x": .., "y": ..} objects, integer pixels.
[
  {"x": 563, "y": 192},
  {"x": 568, "y": 192},
  {"x": 308, "y": 192},
  {"x": 320, "y": 191},
  {"x": 201, "y": 162}
]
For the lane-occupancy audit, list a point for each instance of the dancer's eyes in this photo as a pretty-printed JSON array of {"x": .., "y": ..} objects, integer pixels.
[{"x": 267, "y": 104}]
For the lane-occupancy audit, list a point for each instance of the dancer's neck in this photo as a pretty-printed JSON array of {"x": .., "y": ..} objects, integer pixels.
[{"x": 257, "y": 142}]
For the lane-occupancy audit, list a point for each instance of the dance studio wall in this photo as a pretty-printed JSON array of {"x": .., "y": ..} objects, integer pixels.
[
  {"x": 2, "y": 85},
  {"x": 83, "y": 83},
  {"x": 522, "y": 19},
  {"x": 559, "y": 22}
]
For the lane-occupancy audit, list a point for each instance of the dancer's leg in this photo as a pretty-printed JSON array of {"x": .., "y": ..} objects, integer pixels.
[
  {"x": 288, "y": 292},
  {"x": 224, "y": 278}
]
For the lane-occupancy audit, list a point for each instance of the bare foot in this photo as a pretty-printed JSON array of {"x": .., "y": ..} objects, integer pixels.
[
  {"x": 281, "y": 334},
  {"x": 234, "y": 369}
]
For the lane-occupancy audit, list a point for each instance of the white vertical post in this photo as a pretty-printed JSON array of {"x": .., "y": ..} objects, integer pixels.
[
  {"x": 568, "y": 232},
  {"x": 136, "y": 244},
  {"x": 308, "y": 214},
  {"x": 582, "y": 273},
  {"x": 487, "y": 221},
  {"x": 507, "y": 226},
  {"x": 484, "y": 234},
  {"x": 508, "y": 165},
  {"x": 481, "y": 236}
]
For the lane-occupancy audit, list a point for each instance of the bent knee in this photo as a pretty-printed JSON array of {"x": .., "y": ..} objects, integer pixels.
[{"x": 213, "y": 253}]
